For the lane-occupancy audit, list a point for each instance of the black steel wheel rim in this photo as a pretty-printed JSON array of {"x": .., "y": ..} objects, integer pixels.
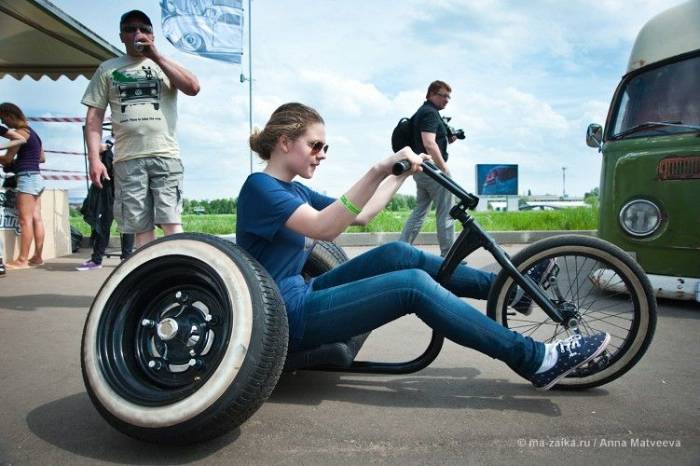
[{"x": 164, "y": 330}]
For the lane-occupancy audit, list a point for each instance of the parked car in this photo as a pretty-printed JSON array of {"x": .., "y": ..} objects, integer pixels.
[{"x": 538, "y": 207}]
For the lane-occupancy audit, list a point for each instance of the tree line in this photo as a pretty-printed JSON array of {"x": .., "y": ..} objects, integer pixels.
[
  {"x": 228, "y": 206},
  {"x": 398, "y": 203}
]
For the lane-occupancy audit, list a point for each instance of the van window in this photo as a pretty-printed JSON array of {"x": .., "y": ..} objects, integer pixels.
[
  {"x": 229, "y": 19},
  {"x": 228, "y": 3},
  {"x": 667, "y": 93}
]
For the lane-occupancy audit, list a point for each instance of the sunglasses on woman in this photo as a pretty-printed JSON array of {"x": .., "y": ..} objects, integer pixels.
[
  {"x": 131, "y": 28},
  {"x": 317, "y": 146}
]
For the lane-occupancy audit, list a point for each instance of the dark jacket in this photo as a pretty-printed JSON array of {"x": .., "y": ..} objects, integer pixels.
[{"x": 100, "y": 201}]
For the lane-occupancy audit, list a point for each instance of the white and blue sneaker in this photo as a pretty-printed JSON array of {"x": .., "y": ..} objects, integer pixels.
[
  {"x": 541, "y": 274},
  {"x": 563, "y": 356}
]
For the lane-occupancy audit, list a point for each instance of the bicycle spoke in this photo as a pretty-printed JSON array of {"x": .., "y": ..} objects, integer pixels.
[{"x": 593, "y": 285}]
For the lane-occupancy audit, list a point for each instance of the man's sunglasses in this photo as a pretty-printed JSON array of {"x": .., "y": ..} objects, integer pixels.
[
  {"x": 131, "y": 28},
  {"x": 317, "y": 146}
]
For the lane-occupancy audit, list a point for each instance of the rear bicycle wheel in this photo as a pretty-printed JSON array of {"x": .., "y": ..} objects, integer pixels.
[{"x": 600, "y": 286}]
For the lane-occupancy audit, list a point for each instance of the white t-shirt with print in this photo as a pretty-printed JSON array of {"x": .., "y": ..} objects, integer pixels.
[{"x": 143, "y": 104}]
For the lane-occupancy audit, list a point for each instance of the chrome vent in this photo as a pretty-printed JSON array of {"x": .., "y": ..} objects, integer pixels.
[{"x": 679, "y": 168}]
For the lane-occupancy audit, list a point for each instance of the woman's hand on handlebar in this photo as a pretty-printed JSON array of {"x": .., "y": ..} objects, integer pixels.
[{"x": 406, "y": 154}]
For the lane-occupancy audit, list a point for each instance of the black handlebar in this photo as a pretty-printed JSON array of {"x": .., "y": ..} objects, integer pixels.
[
  {"x": 401, "y": 167},
  {"x": 430, "y": 169}
]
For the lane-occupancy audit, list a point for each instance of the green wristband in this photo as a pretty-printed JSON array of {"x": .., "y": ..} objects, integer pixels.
[{"x": 352, "y": 208}]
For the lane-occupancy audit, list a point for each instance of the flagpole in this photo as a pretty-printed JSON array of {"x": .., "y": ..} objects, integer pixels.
[{"x": 250, "y": 79}]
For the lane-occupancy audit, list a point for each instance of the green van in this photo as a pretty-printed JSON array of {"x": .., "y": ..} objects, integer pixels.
[{"x": 650, "y": 178}]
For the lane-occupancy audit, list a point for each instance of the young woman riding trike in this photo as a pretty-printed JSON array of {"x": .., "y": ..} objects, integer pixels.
[{"x": 188, "y": 337}]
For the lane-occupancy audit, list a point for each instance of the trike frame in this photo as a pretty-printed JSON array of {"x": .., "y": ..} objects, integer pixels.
[{"x": 469, "y": 240}]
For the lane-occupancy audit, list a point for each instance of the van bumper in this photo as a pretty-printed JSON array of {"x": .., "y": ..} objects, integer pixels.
[{"x": 680, "y": 288}]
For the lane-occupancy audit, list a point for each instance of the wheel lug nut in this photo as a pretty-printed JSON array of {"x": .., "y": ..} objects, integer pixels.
[
  {"x": 155, "y": 364},
  {"x": 192, "y": 352},
  {"x": 181, "y": 297},
  {"x": 148, "y": 323},
  {"x": 196, "y": 363}
]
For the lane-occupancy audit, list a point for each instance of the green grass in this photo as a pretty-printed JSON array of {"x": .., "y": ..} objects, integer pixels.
[
  {"x": 583, "y": 218},
  {"x": 565, "y": 219},
  {"x": 212, "y": 224}
]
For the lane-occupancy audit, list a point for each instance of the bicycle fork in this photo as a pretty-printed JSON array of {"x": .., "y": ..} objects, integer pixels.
[{"x": 472, "y": 238}]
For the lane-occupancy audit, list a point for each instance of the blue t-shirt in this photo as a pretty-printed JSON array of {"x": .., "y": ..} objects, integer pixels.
[{"x": 264, "y": 206}]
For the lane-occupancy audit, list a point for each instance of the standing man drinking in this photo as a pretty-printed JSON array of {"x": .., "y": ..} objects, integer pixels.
[
  {"x": 141, "y": 90},
  {"x": 430, "y": 137}
]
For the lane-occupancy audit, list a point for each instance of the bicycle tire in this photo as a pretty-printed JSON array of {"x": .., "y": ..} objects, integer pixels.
[{"x": 607, "y": 288}]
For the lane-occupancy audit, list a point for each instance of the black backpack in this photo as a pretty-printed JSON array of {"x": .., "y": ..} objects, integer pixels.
[{"x": 402, "y": 135}]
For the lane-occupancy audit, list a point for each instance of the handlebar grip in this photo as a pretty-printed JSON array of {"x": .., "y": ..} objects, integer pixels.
[{"x": 400, "y": 167}]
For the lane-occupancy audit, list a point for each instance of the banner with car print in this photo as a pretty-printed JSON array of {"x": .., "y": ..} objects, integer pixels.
[{"x": 208, "y": 28}]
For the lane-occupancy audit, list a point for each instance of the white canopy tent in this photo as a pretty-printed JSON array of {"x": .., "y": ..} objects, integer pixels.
[{"x": 38, "y": 39}]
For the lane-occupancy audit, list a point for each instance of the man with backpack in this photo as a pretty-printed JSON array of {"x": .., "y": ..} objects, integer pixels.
[{"x": 430, "y": 135}]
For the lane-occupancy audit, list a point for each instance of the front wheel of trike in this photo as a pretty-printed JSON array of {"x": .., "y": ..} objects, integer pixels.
[
  {"x": 184, "y": 341},
  {"x": 599, "y": 286}
]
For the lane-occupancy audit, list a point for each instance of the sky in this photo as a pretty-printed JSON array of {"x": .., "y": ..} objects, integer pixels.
[{"x": 527, "y": 78}]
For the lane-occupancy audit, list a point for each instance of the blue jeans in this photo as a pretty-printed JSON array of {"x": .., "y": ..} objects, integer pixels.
[{"x": 396, "y": 279}]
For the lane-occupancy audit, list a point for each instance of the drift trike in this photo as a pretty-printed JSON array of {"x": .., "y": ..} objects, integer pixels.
[{"x": 188, "y": 337}]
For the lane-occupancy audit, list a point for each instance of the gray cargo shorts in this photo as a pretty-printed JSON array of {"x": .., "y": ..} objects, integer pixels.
[{"x": 147, "y": 192}]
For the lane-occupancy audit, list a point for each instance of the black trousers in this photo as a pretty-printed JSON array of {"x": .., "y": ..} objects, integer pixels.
[{"x": 100, "y": 243}]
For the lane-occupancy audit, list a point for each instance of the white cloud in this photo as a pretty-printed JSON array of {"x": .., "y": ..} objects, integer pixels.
[
  {"x": 346, "y": 96},
  {"x": 527, "y": 79}
]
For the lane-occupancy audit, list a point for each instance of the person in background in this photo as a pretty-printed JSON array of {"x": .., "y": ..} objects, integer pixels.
[
  {"x": 141, "y": 90},
  {"x": 275, "y": 215},
  {"x": 30, "y": 185},
  {"x": 97, "y": 211},
  {"x": 14, "y": 139},
  {"x": 430, "y": 137}
]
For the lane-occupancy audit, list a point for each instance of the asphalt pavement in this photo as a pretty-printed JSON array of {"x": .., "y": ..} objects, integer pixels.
[{"x": 465, "y": 408}]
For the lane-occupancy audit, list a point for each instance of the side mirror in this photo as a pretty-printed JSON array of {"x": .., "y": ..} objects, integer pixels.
[{"x": 594, "y": 136}]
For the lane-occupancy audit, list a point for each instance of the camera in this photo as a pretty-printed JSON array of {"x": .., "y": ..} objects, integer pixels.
[{"x": 458, "y": 133}]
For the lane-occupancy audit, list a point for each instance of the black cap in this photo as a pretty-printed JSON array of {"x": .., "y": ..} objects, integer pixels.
[{"x": 135, "y": 14}]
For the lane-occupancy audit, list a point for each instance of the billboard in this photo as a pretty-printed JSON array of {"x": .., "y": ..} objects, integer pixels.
[{"x": 500, "y": 180}]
